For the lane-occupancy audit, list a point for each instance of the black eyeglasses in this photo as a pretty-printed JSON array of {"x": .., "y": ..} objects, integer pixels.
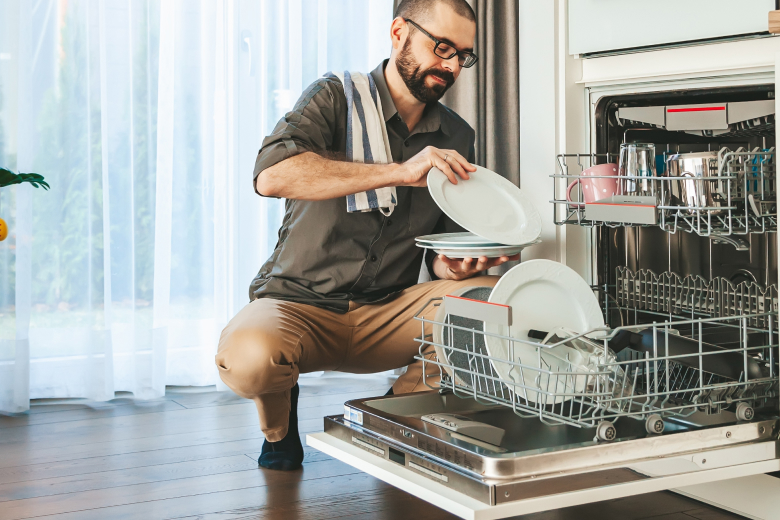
[{"x": 446, "y": 50}]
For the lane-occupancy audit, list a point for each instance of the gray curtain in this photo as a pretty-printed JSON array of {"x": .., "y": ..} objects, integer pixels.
[{"x": 487, "y": 95}]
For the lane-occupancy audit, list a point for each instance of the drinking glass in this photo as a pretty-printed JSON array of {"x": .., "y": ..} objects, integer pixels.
[{"x": 636, "y": 170}]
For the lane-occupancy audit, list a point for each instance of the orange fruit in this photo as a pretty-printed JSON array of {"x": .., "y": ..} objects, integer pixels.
[{"x": 3, "y": 230}]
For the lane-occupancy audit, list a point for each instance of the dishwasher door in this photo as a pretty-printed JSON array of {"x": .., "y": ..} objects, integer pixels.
[{"x": 537, "y": 467}]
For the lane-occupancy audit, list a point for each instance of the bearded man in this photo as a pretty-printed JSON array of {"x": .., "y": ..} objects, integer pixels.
[{"x": 340, "y": 290}]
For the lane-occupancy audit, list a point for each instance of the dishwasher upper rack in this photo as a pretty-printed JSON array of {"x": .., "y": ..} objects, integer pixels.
[
  {"x": 642, "y": 385},
  {"x": 745, "y": 182}
]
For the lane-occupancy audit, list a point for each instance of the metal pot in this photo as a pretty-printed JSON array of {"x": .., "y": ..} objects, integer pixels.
[{"x": 693, "y": 191}]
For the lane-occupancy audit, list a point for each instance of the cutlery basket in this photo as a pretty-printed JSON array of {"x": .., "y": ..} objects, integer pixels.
[{"x": 663, "y": 367}]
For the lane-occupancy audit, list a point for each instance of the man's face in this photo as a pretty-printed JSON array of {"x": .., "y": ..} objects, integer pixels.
[{"x": 426, "y": 75}]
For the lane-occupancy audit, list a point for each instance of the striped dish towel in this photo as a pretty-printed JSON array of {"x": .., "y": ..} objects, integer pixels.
[{"x": 367, "y": 140}]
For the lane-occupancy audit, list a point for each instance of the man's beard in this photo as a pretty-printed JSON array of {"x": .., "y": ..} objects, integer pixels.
[{"x": 409, "y": 70}]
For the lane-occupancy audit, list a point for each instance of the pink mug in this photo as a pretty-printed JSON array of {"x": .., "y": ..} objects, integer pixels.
[{"x": 596, "y": 189}]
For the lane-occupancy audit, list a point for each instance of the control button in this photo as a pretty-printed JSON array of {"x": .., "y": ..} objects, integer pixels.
[{"x": 373, "y": 258}]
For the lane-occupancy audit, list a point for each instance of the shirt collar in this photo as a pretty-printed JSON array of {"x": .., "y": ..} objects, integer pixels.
[
  {"x": 388, "y": 107},
  {"x": 432, "y": 118}
]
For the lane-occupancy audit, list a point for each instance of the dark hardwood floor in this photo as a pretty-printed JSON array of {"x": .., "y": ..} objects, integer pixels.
[{"x": 193, "y": 455}]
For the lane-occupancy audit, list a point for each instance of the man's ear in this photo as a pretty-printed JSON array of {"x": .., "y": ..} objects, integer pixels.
[{"x": 399, "y": 31}]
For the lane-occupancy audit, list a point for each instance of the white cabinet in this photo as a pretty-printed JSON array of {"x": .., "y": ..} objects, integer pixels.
[{"x": 609, "y": 25}]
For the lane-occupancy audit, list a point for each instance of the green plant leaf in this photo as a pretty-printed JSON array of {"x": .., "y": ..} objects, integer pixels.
[
  {"x": 8, "y": 178},
  {"x": 34, "y": 179}
]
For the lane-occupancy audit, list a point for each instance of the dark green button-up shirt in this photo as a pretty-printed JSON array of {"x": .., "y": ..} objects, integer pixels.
[{"x": 326, "y": 256}]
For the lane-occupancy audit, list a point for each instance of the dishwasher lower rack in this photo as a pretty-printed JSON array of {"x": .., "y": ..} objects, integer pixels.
[{"x": 666, "y": 376}]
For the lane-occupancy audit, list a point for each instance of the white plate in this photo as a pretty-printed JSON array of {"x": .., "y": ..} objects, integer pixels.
[
  {"x": 481, "y": 247},
  {"x": 476, "y": 253},
  {"x": 488, "y": 205},
  {"x": 544, "y": 295},
  {"x": 456, "y": 240},
  {"x": 482, "y": 365}
]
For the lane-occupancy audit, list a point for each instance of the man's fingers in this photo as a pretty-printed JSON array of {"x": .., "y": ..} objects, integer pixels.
[
  {"x": 453, "y": 167},
  {"x": 441, "y": 164},
  {"x": 454, "y": 156},
  {"x": 464, "y": 267},
  {"x": 497, "y": 261},
  {"x": 450, "y": 262},
  {"x": 457, "y": 168},
  {"x": 468, "y": 266},
  {"x": 502, "y": 260},
  {"x": 451, "y": 158}
]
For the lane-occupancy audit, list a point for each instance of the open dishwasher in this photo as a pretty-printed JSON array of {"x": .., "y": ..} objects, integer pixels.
[{"x": 680, "y": 386}]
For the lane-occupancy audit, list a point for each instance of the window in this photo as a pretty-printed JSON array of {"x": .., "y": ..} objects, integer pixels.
[{"x": 146, "y": 117}]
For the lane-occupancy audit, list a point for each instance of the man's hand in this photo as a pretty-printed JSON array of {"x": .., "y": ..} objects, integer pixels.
[
  {"x": 414, "y": 172},
  {"x": 462, "y": 268}
]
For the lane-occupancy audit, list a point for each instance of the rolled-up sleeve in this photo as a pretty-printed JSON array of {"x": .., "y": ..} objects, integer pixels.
[{"x": 309, "y": 127}]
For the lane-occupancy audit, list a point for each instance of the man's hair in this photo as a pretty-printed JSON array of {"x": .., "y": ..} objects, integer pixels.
[{"x": 420, "y": 10}]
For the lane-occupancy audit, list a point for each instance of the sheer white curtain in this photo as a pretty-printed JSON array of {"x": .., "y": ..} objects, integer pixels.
[{"x": 145, "y": 116}]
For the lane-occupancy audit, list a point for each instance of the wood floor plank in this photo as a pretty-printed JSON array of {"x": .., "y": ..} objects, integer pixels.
[
  {"x": 56, "y": 459},
  {"x": 177, "y": 432},
  {"x": 127, "y": 427},
  {"x": 250, "y": 448},
  {"x": 384, "y": 502},
  {"x": 639, "y": 507},
  {"x": 97, "y": 464},
  {"x": 68, "y": 433},
  {"x": 95, "y": 430},
  {"x": 88, "y": 412},
  {"x": 187, "y": 497},
  {"x": 125, "y": 477},
  {"x": 163, "y": 442},
  {"x": 671, "y": 516},
  {"x": 710, "y": 513},
  {"x": 60, "y": 405}
]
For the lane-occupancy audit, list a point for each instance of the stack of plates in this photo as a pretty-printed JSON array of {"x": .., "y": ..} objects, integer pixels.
[
  {"x": 468, "y": 245},
  {"x": 501, "y": 220}
]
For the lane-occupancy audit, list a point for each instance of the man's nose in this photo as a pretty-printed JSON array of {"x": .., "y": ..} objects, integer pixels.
[{"x": 452, "y": 64}]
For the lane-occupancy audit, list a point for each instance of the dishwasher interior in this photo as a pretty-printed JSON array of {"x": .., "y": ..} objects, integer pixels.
[{"x": 688, "y": 360}]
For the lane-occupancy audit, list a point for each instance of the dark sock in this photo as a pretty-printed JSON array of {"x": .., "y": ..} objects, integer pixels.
[
  {"x": 286, "y": 454},
  {"x": 390, "y": 392}
]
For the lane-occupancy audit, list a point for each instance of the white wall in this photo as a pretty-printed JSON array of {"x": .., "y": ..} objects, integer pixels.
[
  {"x": 537, "y": 115},
  {"x": 552, "y": 121}
]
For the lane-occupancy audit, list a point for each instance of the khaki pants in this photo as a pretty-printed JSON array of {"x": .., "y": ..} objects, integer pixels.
[{"x": 269, "y": 342}]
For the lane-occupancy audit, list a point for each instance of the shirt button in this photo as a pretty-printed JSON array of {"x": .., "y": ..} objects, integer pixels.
[
  {"x": 373, "y": 258},
  {"x": 389, "y": 222},
  {"x": 406, "y": 144}
]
